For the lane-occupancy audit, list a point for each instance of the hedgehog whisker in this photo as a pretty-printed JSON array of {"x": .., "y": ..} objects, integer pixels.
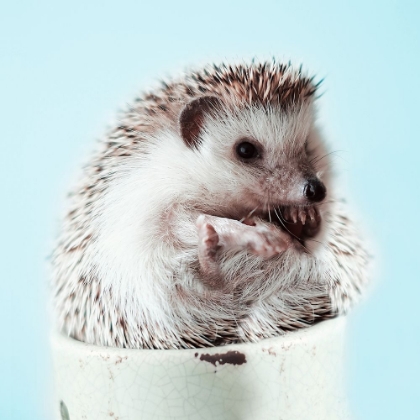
[
  {"x": 282, "y": 222},
  {"x": 268, "y": 206},
  {"x": 320, "y": 243},
  {"x": 317, "y": 159},
  {"x": 249, "y": 214}
]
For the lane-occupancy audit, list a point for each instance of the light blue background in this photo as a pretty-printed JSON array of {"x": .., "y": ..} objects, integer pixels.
[{"x": 65, "y": 69}]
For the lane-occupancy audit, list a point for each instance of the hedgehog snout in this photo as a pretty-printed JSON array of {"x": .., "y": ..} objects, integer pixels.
[{"x": 314, "y": 190}]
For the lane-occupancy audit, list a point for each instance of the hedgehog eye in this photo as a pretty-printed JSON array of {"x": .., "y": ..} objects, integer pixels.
[{"x": 246, "y": 150}]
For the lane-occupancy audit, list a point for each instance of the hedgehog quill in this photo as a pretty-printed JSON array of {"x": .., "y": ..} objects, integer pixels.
[{"x": 207, "y": 217}]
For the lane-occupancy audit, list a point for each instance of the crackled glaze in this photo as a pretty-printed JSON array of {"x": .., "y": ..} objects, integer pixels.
[{"x": 293, "y": 377}]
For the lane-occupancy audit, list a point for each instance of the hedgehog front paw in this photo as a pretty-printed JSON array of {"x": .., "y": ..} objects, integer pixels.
[
  {"x": 265, "y": 241},
  {"x": 208, "y": 239},
  {"x": 208, "y": 245}
]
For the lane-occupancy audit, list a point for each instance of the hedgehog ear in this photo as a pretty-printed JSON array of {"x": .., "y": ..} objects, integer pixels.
[{"x": 192, "y": 117}]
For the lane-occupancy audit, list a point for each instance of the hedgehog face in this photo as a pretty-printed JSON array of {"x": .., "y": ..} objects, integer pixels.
[{"x": 261, "y": 161}]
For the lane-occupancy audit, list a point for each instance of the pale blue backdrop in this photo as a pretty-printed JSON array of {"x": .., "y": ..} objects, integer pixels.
[{"x": 67, "y": 66}]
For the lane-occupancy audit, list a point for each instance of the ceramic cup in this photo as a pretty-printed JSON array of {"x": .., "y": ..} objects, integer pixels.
[{"x": 298, "y": 376}]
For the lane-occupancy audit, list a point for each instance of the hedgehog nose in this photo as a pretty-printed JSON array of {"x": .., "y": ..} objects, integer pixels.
[{"x": 315, "y": 190}]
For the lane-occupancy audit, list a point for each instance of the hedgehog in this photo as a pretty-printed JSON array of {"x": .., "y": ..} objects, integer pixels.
[{"x": 208, "y": 216}]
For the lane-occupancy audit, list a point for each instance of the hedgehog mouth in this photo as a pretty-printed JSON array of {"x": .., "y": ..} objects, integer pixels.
[{"x": 299, "y": 222}]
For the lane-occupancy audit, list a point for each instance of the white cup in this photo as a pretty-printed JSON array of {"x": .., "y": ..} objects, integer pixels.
[{"x": 298, "y": 376}]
